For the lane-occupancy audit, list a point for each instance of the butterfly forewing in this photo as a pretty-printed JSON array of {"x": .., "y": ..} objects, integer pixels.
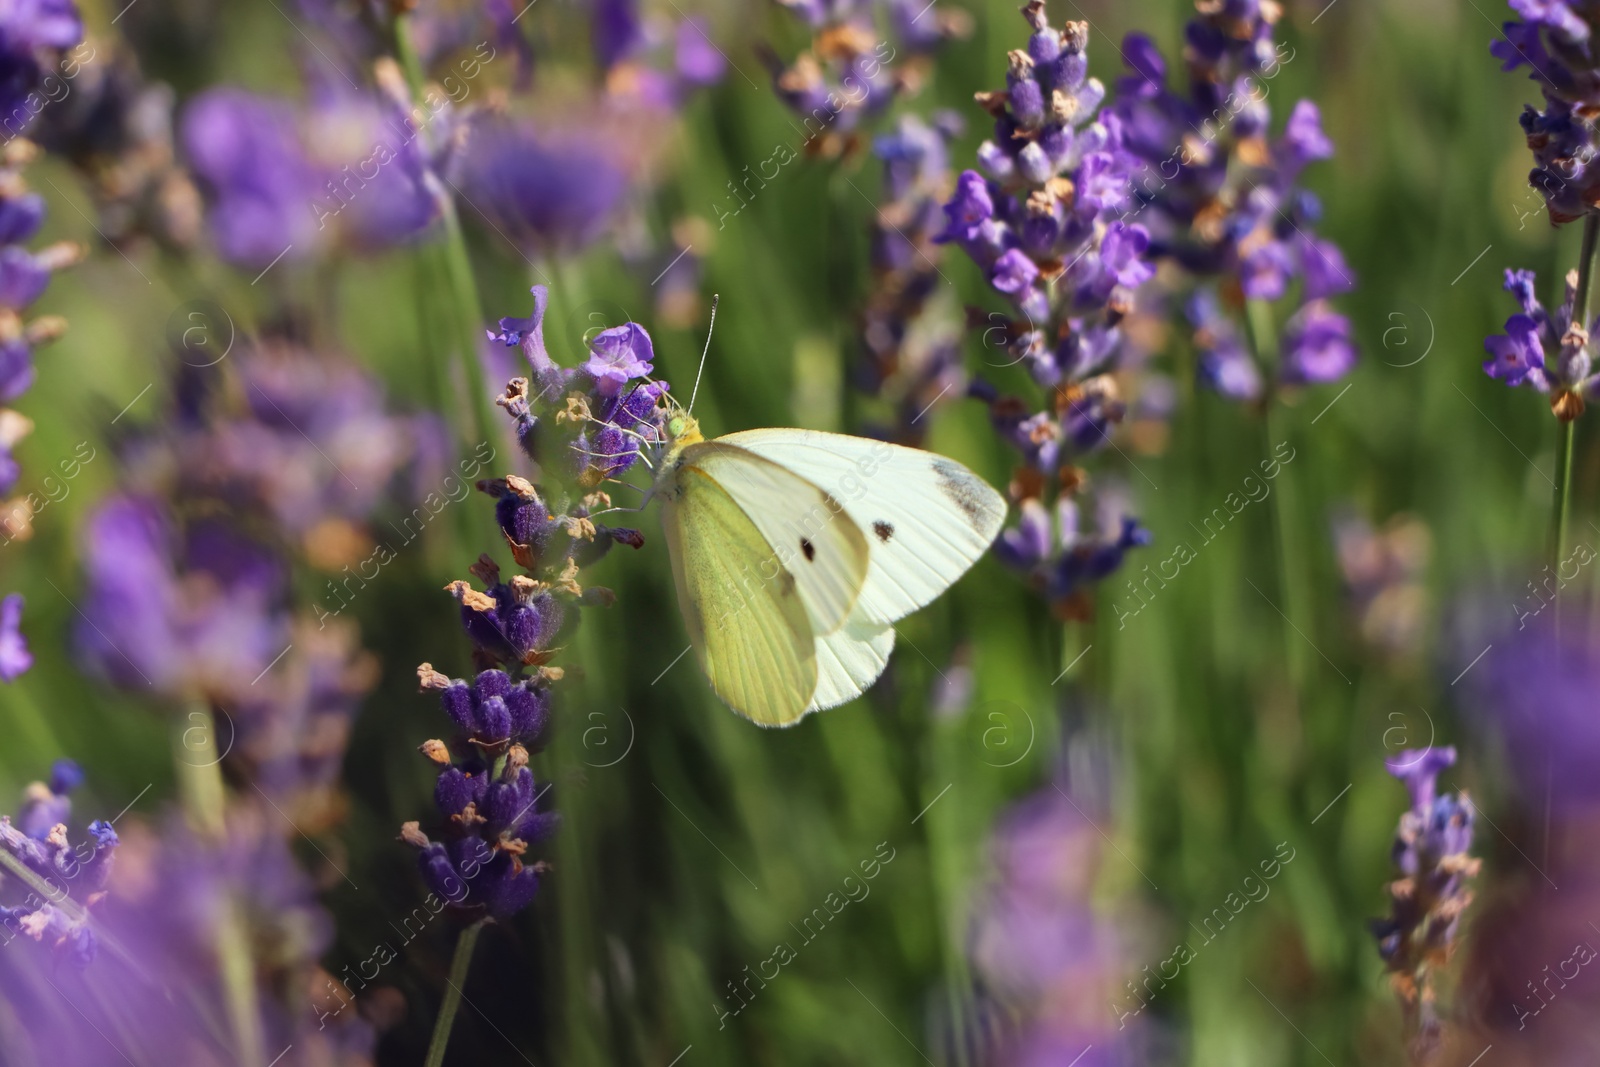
[
  {"x": 809, "y": 533},
  {"x": 925, "y": 517},
  {"x": 750, "y": 632}
]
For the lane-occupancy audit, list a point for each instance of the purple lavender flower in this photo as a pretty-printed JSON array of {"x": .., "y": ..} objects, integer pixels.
[
  {"x": 46, "y": 804},
  {"x": 116, "y": 128},
  {"x": 75, "y": 874},
  {"x": 1317, "y": 346},
  {"x": 1430, "y": 850},
  {"x": 1537, "y": 695},
  {"x": 1545, "y": 350},
  {"x": 581, "y": 426},
  {"x": 1555, "y": 42},
  {"x": 162, "y": 913},
  {"x": 1225, "y": 361},
  {"x": 546, "y": 190},
  {"x": 617, "y": 356},
  {"x": 24, "y": 274},
  {"x": 303, "y": 439},
  {"x": 272, "y": 454},
  {"x": 1044, "y": 228},
  {"x": 177, "y": 612},
  {"x": 1221, "y": 196},
  {"x": 849, "y": 75},
  {"x": 15, "y": 659},
  {"x": 1051, "y": 957},
  {"x": 31, "y": 33},
  {"x": 1385, "y": 572},
  {"x": 911, "y": 343},
  {"x": 585, "y": 424},
  {"x": 291, "y": 181}
]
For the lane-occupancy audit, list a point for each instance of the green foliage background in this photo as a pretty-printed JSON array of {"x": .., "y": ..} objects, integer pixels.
[{"x": 690, "y": 857}]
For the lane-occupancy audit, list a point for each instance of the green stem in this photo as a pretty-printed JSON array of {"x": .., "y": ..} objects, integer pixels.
[
  {"x": 1264, "y": 342},
  {"x": 452, "y": 996},
  {"x": 199, "y": 770},
  {"x": 456, "y": 265},
  {"x": 1561, "y": 505}
]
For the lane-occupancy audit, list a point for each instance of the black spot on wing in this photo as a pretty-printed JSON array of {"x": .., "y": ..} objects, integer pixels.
[
  {"x": 809, "y": 549},
  {"x": 965, "y": 490},
  {"x": 884, "y": 530}
]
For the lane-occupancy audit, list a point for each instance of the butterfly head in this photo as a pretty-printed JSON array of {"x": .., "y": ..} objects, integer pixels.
[{"x": 682, "y": 429}]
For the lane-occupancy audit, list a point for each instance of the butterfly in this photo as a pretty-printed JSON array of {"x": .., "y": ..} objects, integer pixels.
[{"x": 794, "y": 553}]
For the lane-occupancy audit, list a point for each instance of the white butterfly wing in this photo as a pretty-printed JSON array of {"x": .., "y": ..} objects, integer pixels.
[
  {"x": 752, "y": 636},
  {"x": 849, "y": 660},
  {"x": 926, "y": 518},
  {"x": 810, "y": 534}
]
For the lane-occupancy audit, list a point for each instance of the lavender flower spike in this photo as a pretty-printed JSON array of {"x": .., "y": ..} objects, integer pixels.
[
  {"x": 1545, "y": 350},
  {"x": 76, "y": 874},
  {"x": 1430, "y": 849},
  {"x": 1046, "y": 225}
]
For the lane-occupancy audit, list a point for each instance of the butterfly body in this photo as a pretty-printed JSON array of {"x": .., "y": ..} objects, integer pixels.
[{"x": 795, "y": 551}]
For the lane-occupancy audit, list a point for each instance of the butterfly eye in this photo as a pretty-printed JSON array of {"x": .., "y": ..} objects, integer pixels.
[{"x": 675, "y": 425}]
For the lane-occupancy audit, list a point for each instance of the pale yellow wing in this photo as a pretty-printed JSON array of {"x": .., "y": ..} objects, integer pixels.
[
  {"x": 849, "y": 660},
  {"x": 927, "y": 517},
  {"x": 746, "y": 621},
  {"x": 811, "y": 534}
]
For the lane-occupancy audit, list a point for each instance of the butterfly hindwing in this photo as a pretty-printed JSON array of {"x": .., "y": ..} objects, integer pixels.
[
  {"x": 809, "y": 533},
  {"x": 926, "y": 518},
  {"x": 751, "y": 633},
  {"x": 849, "y": 660}
]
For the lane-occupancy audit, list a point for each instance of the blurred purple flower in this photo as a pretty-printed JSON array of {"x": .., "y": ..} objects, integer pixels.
[
  {"x": 1385, "y": 577},
  {"x": 911, "y": 342},
  {"x": 177, "y": 612},
  {"x": 47, "y": 804},
  {"x": 1039, "y": 942},
  {"x": 1538, "y": 695},
  {"x": 30, "y": 30},
  {"x": 288, "y": 180},
  {"x": 160, "y": 997},
  {"x": 1317, "y": 346},
  {"x": 1221, "y": 197},
  {"x": 15, "y": 659},
  {"x": 1226, "y": 364},
  {"x": 547, "y": 191},
  {"x": 696, "y": 57},
  {"x": 1430, "y": 850}
]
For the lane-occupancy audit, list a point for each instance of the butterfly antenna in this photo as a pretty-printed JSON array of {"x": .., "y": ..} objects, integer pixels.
[{"x": 709, "y": 326}]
